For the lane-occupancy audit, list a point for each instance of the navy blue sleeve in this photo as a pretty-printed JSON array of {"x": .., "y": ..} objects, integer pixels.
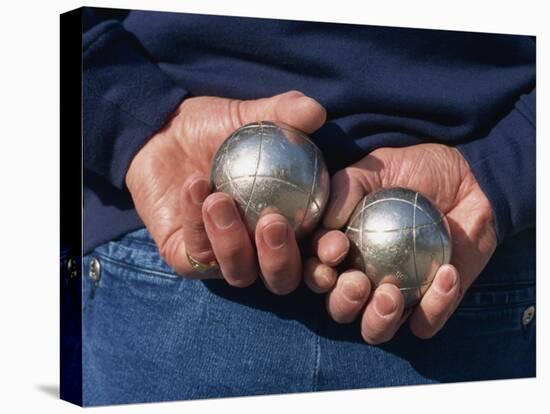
[
  {"x": 503, "y": 163},
  {"x": 127, "y": 98}
]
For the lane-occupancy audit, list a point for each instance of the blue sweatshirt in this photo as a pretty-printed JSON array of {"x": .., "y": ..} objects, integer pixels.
[{"x": 381, "y": 86}]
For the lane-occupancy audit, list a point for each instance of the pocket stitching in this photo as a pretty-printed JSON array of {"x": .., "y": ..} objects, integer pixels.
[{"x": 164, "y": 275}]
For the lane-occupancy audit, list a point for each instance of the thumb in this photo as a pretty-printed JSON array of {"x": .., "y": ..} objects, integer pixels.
[
  {"x": 292, "y": 108},
  {"x": 348, "y": 187}
]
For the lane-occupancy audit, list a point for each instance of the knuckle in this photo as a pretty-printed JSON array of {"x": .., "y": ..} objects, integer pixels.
[
  {"x": 333, "y": 247},
  {"x": 294, "y": 92},
  {"x": 425, "y": 325},
  {"x": 232, "y": 253},
  {"x": 203, "y": 255},
  {"x": 283, "y": 289},
  {"x": 324, "y": 281},
  {"x": 423, "y": 332},
  {"x": 340, "y": 311},
  {"x": 438, "y": 308},
  {"x": 376, "y": 330},
  {"x": 238, "y": 274},
  {"x": 276, "y": 267},
  {"x": 166, "y": 252},
  {"x": 343, "y": 316},
  {"x": 212, "y": 198},
  {"x": 281, "y": 283},
  {"x": 317, "y": 277},
  {"x": 341, "y": 176},
  {"x": 373, "y": 338},
  {"x": 436, "y": 311},
  {"x": 240, "y": 281},
  {"x": 377, "y": 335},
  {"x": 176, "y": 262},
  {"x": 195, "y": 230},
  {"x": 236, "y": 110}
]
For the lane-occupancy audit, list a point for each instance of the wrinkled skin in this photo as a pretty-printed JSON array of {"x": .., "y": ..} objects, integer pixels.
[
  {"x": 168, "y": 181},
  {"x": 443, "y": 175}
]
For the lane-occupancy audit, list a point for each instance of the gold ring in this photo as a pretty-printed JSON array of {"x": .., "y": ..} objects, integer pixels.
[{"x": 198, "y": 266}]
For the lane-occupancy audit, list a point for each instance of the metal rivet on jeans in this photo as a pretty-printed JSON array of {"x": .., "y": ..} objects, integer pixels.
[
  {"x": 528, "y": 315},
  {"x": 95, "y": 269},
  {"x": 72, "y": 268}
]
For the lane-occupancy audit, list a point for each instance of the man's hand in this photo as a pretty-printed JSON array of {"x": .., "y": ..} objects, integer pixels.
[
  {"x": 168, "y": 182},
  {"x": 438, "y": 172}
]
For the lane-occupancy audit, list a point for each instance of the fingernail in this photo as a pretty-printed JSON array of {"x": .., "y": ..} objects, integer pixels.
[
  {"x": 198, "y": 191},
  {"x": 384, "y": 305},
  {"x": 275, "y": 235},
  {"x": 222, "y": 213},
  {"x": 352, "y": 290},
  {"x": 445, "y": 282}
]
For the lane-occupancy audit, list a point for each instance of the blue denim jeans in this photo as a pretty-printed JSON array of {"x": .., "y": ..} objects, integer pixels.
[{"x": 150, "y": 335}]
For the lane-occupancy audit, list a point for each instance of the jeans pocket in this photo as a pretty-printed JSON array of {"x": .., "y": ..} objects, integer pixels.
[
  {"x": 491, "y": 310},
  {"x": 137, "y": 314},
  {"x": 503, "y": 297},
  {"x": 138, "y": 253}
]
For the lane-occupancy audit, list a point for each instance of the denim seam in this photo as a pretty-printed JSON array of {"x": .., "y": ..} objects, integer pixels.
[
  {"x": 165, "y": 275},
  {"x": 316, "y": 366},
  {"x": 477, "y": 308},
  {"x": 525, "y": 283},
  {"x": 131, "y": 240}
]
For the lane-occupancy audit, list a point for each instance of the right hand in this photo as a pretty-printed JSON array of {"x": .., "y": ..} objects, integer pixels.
[
  {"x": 168, "y": 182},
  {"x": 443, "y": 175}
]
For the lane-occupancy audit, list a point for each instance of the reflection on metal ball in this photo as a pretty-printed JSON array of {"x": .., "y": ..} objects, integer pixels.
[
  {"x": 398, "y": 236},
  {"x": 270, "y": 167}
]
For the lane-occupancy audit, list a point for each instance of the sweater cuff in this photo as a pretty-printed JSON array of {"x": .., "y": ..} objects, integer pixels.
[
  {"x": 127, "y": 98},
  {"x": 503, "y": 163}
]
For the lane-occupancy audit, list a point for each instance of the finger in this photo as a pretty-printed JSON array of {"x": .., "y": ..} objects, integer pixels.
[
  {"x": 348, "y": 188},
  {"x": 346, "y": 193},
  {"x": 278, "y": 254},
  {"x": 319, "y": 277},
  {"x": 349, "y": 296},
  {"x": 437, "y": 304},
  {"x": 292, "y": 108},
  {"x": 383, "y": 314},
  {"x": 330, "y": 246},
  {"x": 229, "y": 239},
  {"x": 194, "y": 191}
]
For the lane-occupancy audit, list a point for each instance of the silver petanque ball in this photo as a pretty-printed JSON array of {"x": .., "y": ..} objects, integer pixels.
[
  {"x": 398, "y": 236},
  {"x": 270, "y": 167}
]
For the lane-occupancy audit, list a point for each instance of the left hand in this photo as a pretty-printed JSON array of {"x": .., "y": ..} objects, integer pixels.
[{"x": 443, "y": 175}]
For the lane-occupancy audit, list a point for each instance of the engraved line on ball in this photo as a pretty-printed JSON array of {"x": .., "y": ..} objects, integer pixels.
[
  {"x": 309, "y": 196},
  {"x": 389, "y": 199},
  {"x": 236, "y": 193},
  {"x": 394, "y": 230},
  {"x": 414, "y": 241},
  {"x": 269, "y": 177},
  {"x": 361, "y": 218},
  {"x": 257, "y": 169},
  {"x": 412, "y": 287},
  {"x": 223, "y": 158}
]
